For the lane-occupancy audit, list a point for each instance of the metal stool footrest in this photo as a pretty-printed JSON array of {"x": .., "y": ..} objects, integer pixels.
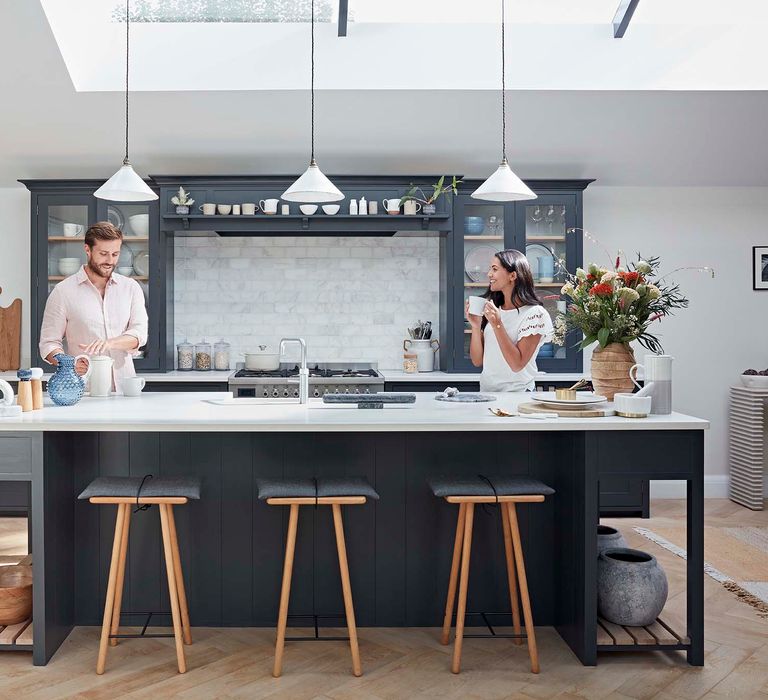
[
  {"x": 493, "y": 634},
  {"x": 143, "y": 633},
  {"x": 317, "y": 637}
]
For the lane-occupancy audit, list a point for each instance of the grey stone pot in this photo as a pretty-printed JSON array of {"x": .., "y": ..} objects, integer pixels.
[
  {"x": 182, "y": 209},
  {"x": 631, "y": 587},
  {"x": 609, "y": 538}
]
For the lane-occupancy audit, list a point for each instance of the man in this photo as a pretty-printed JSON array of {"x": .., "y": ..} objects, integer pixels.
[{"x": 97, "y": 311}]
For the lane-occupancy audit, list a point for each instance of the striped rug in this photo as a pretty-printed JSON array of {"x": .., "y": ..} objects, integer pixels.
[{"x": 736, "y": 557}]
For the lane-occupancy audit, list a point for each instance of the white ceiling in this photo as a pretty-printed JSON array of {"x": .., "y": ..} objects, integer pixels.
[{"x": 47, "y": 129}]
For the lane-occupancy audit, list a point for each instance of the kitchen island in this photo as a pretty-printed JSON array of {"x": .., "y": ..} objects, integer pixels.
[{"x": 399, "y": 547}]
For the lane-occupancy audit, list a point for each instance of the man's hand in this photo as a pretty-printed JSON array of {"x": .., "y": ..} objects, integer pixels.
[{"x": 96, "y": 347}]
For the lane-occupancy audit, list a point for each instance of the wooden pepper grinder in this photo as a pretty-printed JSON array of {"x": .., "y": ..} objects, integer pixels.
[
  {"x": 37, "y": 388},
  {"x": 24, "y": 392}
]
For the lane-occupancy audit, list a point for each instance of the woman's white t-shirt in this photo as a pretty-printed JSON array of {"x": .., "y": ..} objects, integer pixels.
[{"x": 497, "y": 375}]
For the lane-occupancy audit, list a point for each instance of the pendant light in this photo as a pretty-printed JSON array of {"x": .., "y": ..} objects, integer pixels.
[
  {"x": 125, "y": 185},
  {"x": 503, "y": 185},
  {"x": 313, "y": 186}
]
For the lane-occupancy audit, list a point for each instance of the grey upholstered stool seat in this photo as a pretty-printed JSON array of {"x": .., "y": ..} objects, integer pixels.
[
  {"x": 128, "y": 487},
  {"x": 332, "y": 491},
  {"x": 507, "y": 492},
  {"x": 305, "y": 488},
  {"x": 504, "y": 485},
  {"x": 126, "y": 492}
]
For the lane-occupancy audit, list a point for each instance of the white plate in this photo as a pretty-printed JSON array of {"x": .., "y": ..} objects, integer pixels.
[
  {"x": 583, "y": 398},
  {"x": 141, "y": 263},
  {"x": 477, "y": 262},
  {"x": 115, "y": 216}
]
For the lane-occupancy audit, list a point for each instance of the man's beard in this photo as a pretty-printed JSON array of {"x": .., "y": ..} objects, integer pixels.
[{"x": 96, "y": 269}]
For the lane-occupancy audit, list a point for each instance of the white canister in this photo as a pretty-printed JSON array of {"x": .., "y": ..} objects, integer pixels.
[
  {"x": 101, "y": 375},
  {"x": 657, "y": 374},
  {"x": 425, "y": 352}
]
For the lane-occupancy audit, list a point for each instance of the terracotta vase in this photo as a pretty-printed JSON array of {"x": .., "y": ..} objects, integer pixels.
[{"x": 610, "y": 369}]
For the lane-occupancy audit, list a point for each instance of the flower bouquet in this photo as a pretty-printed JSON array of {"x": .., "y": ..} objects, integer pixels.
[{"x": 613, "y": 307}]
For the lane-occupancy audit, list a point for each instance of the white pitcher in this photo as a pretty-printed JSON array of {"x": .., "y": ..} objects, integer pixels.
[
  {"x": 101, "y": 375},
  {"x": 657, "y": 373},
  {"x": 425, "y": 352}
]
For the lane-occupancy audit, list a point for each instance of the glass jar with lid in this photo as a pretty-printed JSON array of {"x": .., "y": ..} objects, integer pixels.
[
  {"x": 203, "y": 356},
  {"x": 185, "y": 356},
  {"x": 221, "y": 355},
  {"x": 410, "y": 362}
]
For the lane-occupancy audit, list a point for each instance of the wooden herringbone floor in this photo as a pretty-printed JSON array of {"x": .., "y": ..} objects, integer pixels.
[{"x": 410, "y": 663}]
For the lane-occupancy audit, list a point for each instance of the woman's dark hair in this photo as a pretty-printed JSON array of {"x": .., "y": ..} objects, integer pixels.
[{"x": 524, "y": 293}]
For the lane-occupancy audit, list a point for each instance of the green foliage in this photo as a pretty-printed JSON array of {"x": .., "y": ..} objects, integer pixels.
[{"x": 438, "y": 188}]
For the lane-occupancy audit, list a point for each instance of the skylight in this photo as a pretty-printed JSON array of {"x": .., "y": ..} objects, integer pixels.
[{"x": 262, "y": 45}]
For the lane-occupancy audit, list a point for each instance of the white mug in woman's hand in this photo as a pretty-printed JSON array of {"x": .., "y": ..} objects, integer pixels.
[{"x": 477, "y": 305}]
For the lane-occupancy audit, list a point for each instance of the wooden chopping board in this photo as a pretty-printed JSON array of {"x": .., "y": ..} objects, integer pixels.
[
  {"x": 10, "y": 336},
  {"x": 565, "y": 411}
]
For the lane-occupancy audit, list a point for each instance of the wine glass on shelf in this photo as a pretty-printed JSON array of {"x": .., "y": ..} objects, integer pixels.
[
  {"x": 549, "y": 218},
  {"x": 562, "y": 219},
  {"x": 493, "y": 225},
  {"x": 536, "y": 217}
]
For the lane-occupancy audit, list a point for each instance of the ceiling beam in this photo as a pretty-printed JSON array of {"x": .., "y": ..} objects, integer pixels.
[
  {"x": 343, "y": 12},
  {"x": 622, "y": 17}
]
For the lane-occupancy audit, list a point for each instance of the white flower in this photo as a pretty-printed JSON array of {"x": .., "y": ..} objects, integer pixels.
[
  {"x": 608, "y": 278},
  {"x": 628, "y": 295},
  {"x": 653, "y": 291},
  {"x": 643, "y": 267},
  {"x": 567, "y": 289},
  {"x": 581, "y": 274}
]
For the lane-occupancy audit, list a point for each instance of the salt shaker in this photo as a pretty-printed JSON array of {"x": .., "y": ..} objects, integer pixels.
[
  {"x": 24, "y": 391},
  {"x": 353, "y": 207},
  {"x": 37, "y": 388}
]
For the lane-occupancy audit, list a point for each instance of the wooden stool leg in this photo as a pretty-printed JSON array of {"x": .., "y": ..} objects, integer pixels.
[
  {"x": 109, "y": 603},
  {"x": 461, "y": 612},
  {"x": 511, "y": 577},
  {"x": 173, "y": 592},
  {"x": 346, "y": 588},
  {"x": 449, "y": 603},
  {"x": 285, "y": 593},
  {"x": 186, "y": 629},
  {"x": 120, "y": 575},
  {"x": 526, "y": 601}
]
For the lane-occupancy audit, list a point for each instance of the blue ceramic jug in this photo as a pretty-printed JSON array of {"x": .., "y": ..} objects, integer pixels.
[{"x": 66, "y": 387}]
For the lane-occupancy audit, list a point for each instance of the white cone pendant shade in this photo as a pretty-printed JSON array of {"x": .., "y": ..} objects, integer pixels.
[
  {"x": 503, "y": 186},
  {"x": 312, "y": 187},
  {"x": 125, "y": 186}
]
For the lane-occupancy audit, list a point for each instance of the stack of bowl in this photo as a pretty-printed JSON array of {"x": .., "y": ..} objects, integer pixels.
[{"x": 69, "y": 266}]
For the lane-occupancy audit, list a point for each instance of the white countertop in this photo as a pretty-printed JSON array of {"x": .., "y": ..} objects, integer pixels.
[
  {"x": 390, "y": 375},
  {"x": 177, "y": 412}
]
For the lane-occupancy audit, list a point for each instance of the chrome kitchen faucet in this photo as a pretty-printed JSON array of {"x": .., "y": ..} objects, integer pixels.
[{"x": 303, "y": 371}]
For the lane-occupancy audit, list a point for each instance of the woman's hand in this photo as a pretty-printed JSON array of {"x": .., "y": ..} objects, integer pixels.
[
  {"x": 81, "y": 367},
  {"x": 491, "y": 312},
  {"x": 474, "y": 321},
  {"x": 95, "y": 347}
]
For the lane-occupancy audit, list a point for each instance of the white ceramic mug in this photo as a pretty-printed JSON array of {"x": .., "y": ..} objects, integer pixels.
[
  {"x": 208, "y": 209},
  {"x": 72, "y": 230},
  {"x": 392, "y": 206},
  {"x": 132, "y": 386},
  {"x": 224, "y": 209},
  {"x": 269, "y": 206},
  {"x": 476, "y": 305},
  {"x": 101, "y": 375},
  {"x": 632, "y": 405},
  {"x": 249, "y": 209},
  {"x": 411, "y": 208},
  {"x": 236, "y": 209}
]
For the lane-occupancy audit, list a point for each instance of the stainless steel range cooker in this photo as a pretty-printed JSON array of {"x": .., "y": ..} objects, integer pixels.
[{"x": 324, "y": 378}]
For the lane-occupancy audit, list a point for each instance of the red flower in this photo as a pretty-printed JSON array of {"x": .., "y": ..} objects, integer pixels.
[
  {"x": 601, "y": 290},
  {"x": 630, "y": 278},
  {"x": 590, "y": 278}
]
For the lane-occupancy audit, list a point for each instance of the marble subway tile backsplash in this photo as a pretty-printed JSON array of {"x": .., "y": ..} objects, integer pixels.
[{"x": 350, "y": 298}]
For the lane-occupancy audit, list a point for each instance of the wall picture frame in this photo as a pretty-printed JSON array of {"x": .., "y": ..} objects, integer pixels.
[{"x": 760, "y": 267}]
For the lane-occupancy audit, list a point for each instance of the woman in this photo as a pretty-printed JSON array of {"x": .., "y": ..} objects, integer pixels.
[{"x": 514, "y": 325}]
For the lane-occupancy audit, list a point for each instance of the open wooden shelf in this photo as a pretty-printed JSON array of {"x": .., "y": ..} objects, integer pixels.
[
  {"x": 659, "y": 636},
  {"x": 545, "y": 238},
  {"x": 17, "y": 637},
  {"x": 483, "y": 238}
]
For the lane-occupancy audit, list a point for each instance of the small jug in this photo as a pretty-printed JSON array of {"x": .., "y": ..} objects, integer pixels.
[{"x": 66, "y": 387}]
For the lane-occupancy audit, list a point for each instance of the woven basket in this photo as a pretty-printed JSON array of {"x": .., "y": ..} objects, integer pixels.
[{"x": 610, "y": 369}]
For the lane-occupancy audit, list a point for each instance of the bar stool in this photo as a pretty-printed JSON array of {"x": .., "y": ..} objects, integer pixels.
[
  {"x": 334, "y": 492},
  {"x": 126, "y": 492},
  {"x": 507, "y": 491}
]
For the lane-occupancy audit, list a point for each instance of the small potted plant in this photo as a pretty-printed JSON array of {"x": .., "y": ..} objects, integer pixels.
[
  {"x": 183, "y": 201},
  {"x": 428, "y": 203}
]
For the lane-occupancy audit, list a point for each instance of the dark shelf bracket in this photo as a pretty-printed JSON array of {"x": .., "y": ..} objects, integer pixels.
[
  {"x": 185, "y": 222},
  {"x": 305, "y": 223},
  {"x": 424, "y": 223}
]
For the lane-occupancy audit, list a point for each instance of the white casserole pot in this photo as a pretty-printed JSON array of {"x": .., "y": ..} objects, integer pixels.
[{"x": 262, "y": 358}]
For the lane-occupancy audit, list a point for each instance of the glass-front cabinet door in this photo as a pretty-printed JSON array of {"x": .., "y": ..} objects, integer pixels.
[
  {"x": 552, "y": 252},
  {"x": 139, "y": 222},
  {"x": 538, "y": 228}
]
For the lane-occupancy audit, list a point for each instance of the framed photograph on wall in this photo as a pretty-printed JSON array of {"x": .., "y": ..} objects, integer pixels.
[{"x": 760, "y": 267}]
